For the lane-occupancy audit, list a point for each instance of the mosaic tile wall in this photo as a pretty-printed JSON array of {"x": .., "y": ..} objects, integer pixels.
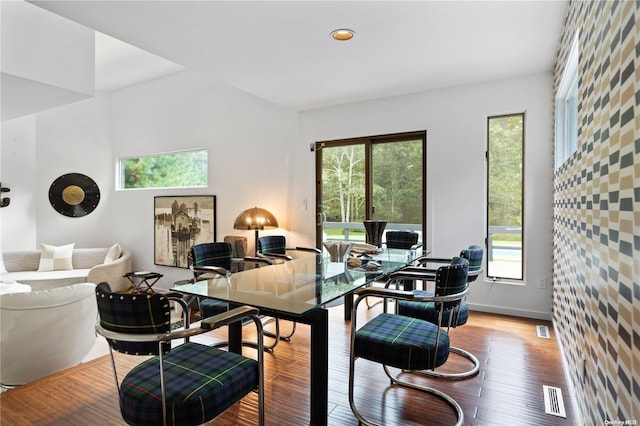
[{"x": 596, "y": 299}]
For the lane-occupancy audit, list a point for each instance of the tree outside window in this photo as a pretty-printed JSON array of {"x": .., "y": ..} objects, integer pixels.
[{"x": 172, "y": 170}]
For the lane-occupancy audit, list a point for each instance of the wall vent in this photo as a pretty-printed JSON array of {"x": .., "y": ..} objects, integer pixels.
[
  {"x": 553, "y": 402},
  {"x": 543, "y": 331}
]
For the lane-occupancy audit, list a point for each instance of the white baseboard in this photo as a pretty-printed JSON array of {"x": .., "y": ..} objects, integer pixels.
[
  {"x": 567, "y": 378},
  {"x": 546, "y": 316}
]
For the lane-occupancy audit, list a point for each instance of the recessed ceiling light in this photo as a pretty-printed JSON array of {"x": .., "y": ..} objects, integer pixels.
[{"x": 343, "y": 34}]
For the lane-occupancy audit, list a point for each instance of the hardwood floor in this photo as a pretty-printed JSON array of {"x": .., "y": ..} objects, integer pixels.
[{"x": 507, "y": 391}]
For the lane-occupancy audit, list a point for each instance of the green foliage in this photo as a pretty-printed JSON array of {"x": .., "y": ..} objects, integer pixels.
[
  {"x": 397, "y": 182},
  {"x": 505, "y": 170},
  {"x": 179, "y": 169}
]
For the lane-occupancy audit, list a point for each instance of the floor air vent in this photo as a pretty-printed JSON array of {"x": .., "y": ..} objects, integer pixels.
[
  {"x": 553, "y": 403},
  {"x": 543, "y": 331}
]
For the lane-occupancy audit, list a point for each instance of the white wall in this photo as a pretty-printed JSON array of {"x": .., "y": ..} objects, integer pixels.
[
  {"x": 455, "y": 120},
  {"x": 248, "y": 141},
  {"x": 36, "y": 150},
  {"x": 75, "y": 139},
  {"x": 18, "y": 172}
]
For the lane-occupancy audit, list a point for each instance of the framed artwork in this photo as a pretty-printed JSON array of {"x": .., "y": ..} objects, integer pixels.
[{"x": 179, "y": 223}]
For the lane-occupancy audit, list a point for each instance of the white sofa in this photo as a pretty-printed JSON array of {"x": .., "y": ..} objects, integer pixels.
[
  {"x": 43, "y": 332},
  {"x": 88, "y": 266}
]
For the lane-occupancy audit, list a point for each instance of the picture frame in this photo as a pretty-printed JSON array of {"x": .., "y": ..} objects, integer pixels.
[{"x": 180, "y": 222}]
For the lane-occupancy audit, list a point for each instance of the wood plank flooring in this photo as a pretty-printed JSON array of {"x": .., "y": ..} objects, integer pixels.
[{"x": 507, "y": 391}]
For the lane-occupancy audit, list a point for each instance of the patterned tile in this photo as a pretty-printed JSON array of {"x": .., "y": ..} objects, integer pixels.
[{"x": 597, "y": 214}]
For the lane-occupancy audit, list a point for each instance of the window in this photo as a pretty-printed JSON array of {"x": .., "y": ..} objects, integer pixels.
[
  {"x": 370, "y": 178},
  {"x": 505, "y": 168},
  {"x": 172, "y": 170},
  {"x": 566, "y": 141}
]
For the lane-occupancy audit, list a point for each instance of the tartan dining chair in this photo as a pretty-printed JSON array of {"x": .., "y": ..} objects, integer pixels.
[
  {"x": 405, "y": 240},
  {"x": 210, "y": 260},
  {"x": 182, "y": 384},
  {"x": 451, "y": 318},
  {"x": 275, "y": 246},
  {"x": 405, "y": 343}
]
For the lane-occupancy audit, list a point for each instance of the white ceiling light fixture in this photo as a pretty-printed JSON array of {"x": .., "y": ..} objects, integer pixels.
[{"x": 342, "y": 34}]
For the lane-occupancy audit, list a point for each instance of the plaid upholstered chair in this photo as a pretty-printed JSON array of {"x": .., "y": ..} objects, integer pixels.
[
  {"x": 451, "y": 318},
  {"x": 207, "y": 261},
  {"x": 211, "y": 260},
  {"x": 404, "y": 240},
  {"x": 187, "y": 384},
  {"x": 275, "y": 247},
  {"x": 405, "y": 343}
]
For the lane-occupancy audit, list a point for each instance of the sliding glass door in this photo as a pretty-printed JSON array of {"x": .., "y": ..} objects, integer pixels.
[{"x": 371, "y": 178}]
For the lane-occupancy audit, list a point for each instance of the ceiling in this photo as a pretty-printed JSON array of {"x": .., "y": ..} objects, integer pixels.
[
  {"x": 281, "y": 50},
  {"x": 120, "y": 65}
]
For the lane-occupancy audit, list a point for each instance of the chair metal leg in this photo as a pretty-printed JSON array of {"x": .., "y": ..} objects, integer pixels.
[
  {"x": 286, "y": 337},
  {"x": 395, "y": 380},
  {"x": 275, "y": 336},
  {"x": 372, "y": 305},
  {"x": 455, "y": 376},
  {"x": 452, "y": 402},
  {"x": 251, "y": 344}
]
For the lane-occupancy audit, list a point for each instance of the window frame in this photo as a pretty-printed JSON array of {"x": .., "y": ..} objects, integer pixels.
[
  {"x": 497, "y": 278},
  {"x": 566, "y": 104}
]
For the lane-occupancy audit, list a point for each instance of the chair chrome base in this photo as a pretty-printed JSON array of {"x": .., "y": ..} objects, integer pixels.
[
  {"x": 377, "y": 302},
  {"x": 452, "y": 402},
  {"x": 455, "y": 376},
  {"x": 285, "y": 337},
  {"x": 395, "y": 380},
  {"x": 276, "y": 336}
]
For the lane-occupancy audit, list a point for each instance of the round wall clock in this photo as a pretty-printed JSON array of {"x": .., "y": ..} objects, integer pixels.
[{"x": 74, "y": 195}]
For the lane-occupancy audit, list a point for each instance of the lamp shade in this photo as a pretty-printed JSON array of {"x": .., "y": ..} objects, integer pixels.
[{"x": 255, "y": 218}]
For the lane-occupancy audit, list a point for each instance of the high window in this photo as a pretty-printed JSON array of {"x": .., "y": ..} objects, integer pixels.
[
  {"x": 566, "y": 140},
  {"x": 505, "y": 157},
  {"x": 183, "y": 169}
]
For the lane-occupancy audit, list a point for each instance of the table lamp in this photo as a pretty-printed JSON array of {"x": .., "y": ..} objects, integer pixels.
[{"x": 255, "y": 219}]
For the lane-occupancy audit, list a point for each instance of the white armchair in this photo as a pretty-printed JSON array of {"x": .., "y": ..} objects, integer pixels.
[{"x": 43, "y": 332}]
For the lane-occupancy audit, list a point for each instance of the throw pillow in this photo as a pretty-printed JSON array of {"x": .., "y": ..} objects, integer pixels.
[
  {"x": 113, "y": 254},
  {"x": 54, "y": 258}
]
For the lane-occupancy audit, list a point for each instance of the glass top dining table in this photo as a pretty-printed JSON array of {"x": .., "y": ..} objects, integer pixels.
[
  {"x": 299, "y": 290},
  {"x": 307, "y": 282}
]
